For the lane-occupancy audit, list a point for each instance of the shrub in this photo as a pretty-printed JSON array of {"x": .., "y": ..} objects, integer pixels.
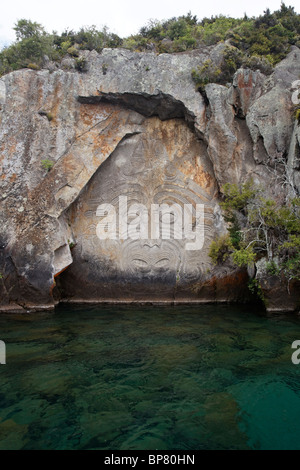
[
  {"x": 33, "y": 66},
  {"x": 73, "y": 51},
  {"x": 237, "y": 197},
  {"x": 233, "y": 59},
  {"x": 261, "y": 41},
  {"x": 220, "y": 249},
  {"x": 244, "y": 257},
  {"x": 255, "y": 288},
  {"x": 47, "y": 164},
  {"x": 207, "y": 73},
  {"x": 81, "y": 64},
  {"x": 260, "y": 227},
  {"x": 272, "y": 268},
  {"x": 263, "y": 64}
]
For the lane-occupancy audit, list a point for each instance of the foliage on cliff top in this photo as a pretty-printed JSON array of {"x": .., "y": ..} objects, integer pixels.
[{"x": 268, "y": 36}]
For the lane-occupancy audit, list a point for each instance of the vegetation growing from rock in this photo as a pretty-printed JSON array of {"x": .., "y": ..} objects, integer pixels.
[
  {"x": 47, "y": 164},
  {"x": 232, "y": 60},
  {"x": 252, "y": 42},
  {"x": 260, "y": 227}
]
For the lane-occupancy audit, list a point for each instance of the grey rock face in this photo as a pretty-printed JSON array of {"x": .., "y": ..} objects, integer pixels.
[{"x": 132, "y": 125}]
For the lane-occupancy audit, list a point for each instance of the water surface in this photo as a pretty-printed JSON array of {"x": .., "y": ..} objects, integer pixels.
[{"x": 188, "y": 378}]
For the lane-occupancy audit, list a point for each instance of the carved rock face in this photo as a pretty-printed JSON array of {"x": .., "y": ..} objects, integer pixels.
[
  {"x": 164, "y": 163},
  {"x": 143, "y": 132}
]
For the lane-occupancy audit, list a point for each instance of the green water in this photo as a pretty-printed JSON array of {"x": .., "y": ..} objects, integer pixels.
[{"x": 188, "y": 378}]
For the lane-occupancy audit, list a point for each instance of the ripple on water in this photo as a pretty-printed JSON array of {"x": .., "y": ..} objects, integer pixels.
[{"x": 209, "y": 377}]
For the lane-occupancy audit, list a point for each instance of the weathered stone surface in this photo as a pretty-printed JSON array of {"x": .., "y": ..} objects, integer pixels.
[
  {"x": 132, "y": 125},
  {"x": 164, "y": 163},
  {"x": 280, "y": 294}
]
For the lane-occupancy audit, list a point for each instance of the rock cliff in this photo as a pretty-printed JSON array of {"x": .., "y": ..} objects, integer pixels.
[{"x": 133, "y": 125}]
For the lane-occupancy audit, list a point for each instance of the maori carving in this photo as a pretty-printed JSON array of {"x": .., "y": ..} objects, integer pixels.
[{"x": 163, "y": 164}]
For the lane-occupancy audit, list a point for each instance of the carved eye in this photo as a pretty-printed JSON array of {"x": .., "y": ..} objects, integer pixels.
[
  {"x": 140, "y": 263},
  {"x": 162, "y": 262}
]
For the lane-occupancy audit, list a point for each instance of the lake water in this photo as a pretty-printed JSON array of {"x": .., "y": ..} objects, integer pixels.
[{"x": 129, "y": 378}]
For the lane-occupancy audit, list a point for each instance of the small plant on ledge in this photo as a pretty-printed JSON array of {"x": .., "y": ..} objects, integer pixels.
[{"x": 47, "y": 164}]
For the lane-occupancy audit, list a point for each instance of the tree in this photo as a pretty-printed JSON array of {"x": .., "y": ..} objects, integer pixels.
[
  {"x": 260, "y": 227},
  {"x": 26, "y": 29}
]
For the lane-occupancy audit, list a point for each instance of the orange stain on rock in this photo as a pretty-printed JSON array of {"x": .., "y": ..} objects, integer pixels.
[{"x": 197, "y": 173}]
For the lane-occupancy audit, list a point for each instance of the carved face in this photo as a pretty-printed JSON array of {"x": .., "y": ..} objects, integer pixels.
[{"x": 164, "y": 164}]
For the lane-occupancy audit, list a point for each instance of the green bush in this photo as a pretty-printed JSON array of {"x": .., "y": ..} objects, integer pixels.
[
  {"x": 220, "y": 249},
  {"x": 272, "y": 268},
  {"x": 232, "y": 60},
  {"x": 33, "y": 66},
  {"x": 29, "y": 49},
  {"x": 260, "y": 42},
  {"x": 47, "y": 164},
  {"x": 207, "y": 73},
  {"x": 255, "y": 288},
  {"x": 237, "y": 197},
  {"x": 244, "y": 257},
  {"x": 260, "y": 227},
  {"x": 73, "y": 51},
  {"x": 81, "y": 64},
  {"x": 263, "y": 64}
]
